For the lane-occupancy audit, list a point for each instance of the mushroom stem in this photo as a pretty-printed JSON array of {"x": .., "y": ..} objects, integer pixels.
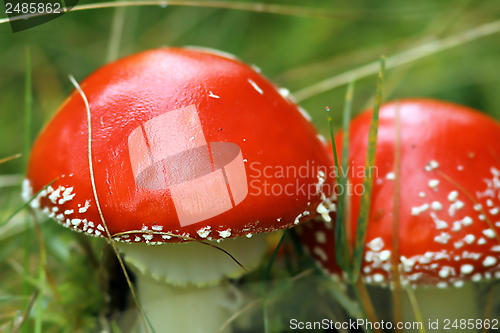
[
  {"x": 187, "y": 309},
  {"x": 183, "y": 287},
  {"x": 442, "y": 306}
]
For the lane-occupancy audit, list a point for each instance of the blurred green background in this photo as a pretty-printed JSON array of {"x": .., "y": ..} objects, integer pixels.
[
  {"x": 323, "y": 39},
  {"x": 294, "y": 51}
]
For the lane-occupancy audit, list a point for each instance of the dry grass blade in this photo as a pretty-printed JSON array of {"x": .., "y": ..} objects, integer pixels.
[
  {"x": 261, "y": 300},
  {"x": 489, "y": 304},
  {"x": 399, "y": 59},
  {"x": 247, "y": 6},
  {"x": 98, "y": 205},
  {"x": 151, "y": 232},
  {"x": 366, "y": 303},
  {"x": 414, "y": 304},
  {"x": 239, "y": 313},
  {"x": 6, "y": 159},
  {"x": 26, "y": 312},
  {"x": 109, "y": 236},
  {"x": 116, "y": 33}
]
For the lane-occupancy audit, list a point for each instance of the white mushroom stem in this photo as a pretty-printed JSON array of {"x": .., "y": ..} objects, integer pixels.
[
  {"x": 182, "y": 287},
  {"x": 187, "y": 309},
  {"x": 439, "y": 306}
]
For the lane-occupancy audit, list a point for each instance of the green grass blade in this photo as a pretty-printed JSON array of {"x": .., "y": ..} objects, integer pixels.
[
  {"x": 267, "y": 271},
  {"x": 364, "y": 214},
  {"x": 340, "y": 242},
  {"x": 342, "y": 218},
  {"x": 265, "y": 278},
  {"x": 25, "y": 204},
  {"x": 115, "y": 328},
  {"x": 339, "y": 293},
  {"x": 39, "y": 302},
  {"x": 42, "y": 277},
  {"x": 27, "y": 124},
  {"x": 28, "y": 104}
]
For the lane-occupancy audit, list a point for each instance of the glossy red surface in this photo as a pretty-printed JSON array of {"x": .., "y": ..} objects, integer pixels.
[
  {"x": 450, "y": 194},
  {"x": 226, "y": 102}
]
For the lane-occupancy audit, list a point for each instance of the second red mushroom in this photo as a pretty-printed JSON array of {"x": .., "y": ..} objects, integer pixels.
[{"x": 449, "y": 218}]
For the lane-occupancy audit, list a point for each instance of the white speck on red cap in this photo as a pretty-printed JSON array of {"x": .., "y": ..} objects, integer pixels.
[
  {"x": 225, "y": 233},
  {"x": 490, "y": 233},
  {"x": 420, "y": 209},
  {"x": 467, "y": 221},
  {"x": 432, "y": 165},
  {"x": 443, "y": 238},
  {"x": 489, "y": 261},
  {"x": 436, "y": 205},
  {"x": 440, "y": 224},
  {"x": 469, "y": 239},
  {"x": 376, "y": 244},
  {"x": 466, "y": 269},
  {"x": 433, "y": 183},
  {"x": 453, "y": 196}
]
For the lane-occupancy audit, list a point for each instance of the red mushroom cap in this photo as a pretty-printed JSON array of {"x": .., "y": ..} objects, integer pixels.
[
  {"x": 450, "y": 195},
  {"x": 184, "y": 142}
]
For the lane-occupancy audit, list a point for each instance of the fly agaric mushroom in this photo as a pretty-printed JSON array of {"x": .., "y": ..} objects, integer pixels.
[
  {"x": 186, "y": 144},
  {"x": 449, "y": 203}
]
